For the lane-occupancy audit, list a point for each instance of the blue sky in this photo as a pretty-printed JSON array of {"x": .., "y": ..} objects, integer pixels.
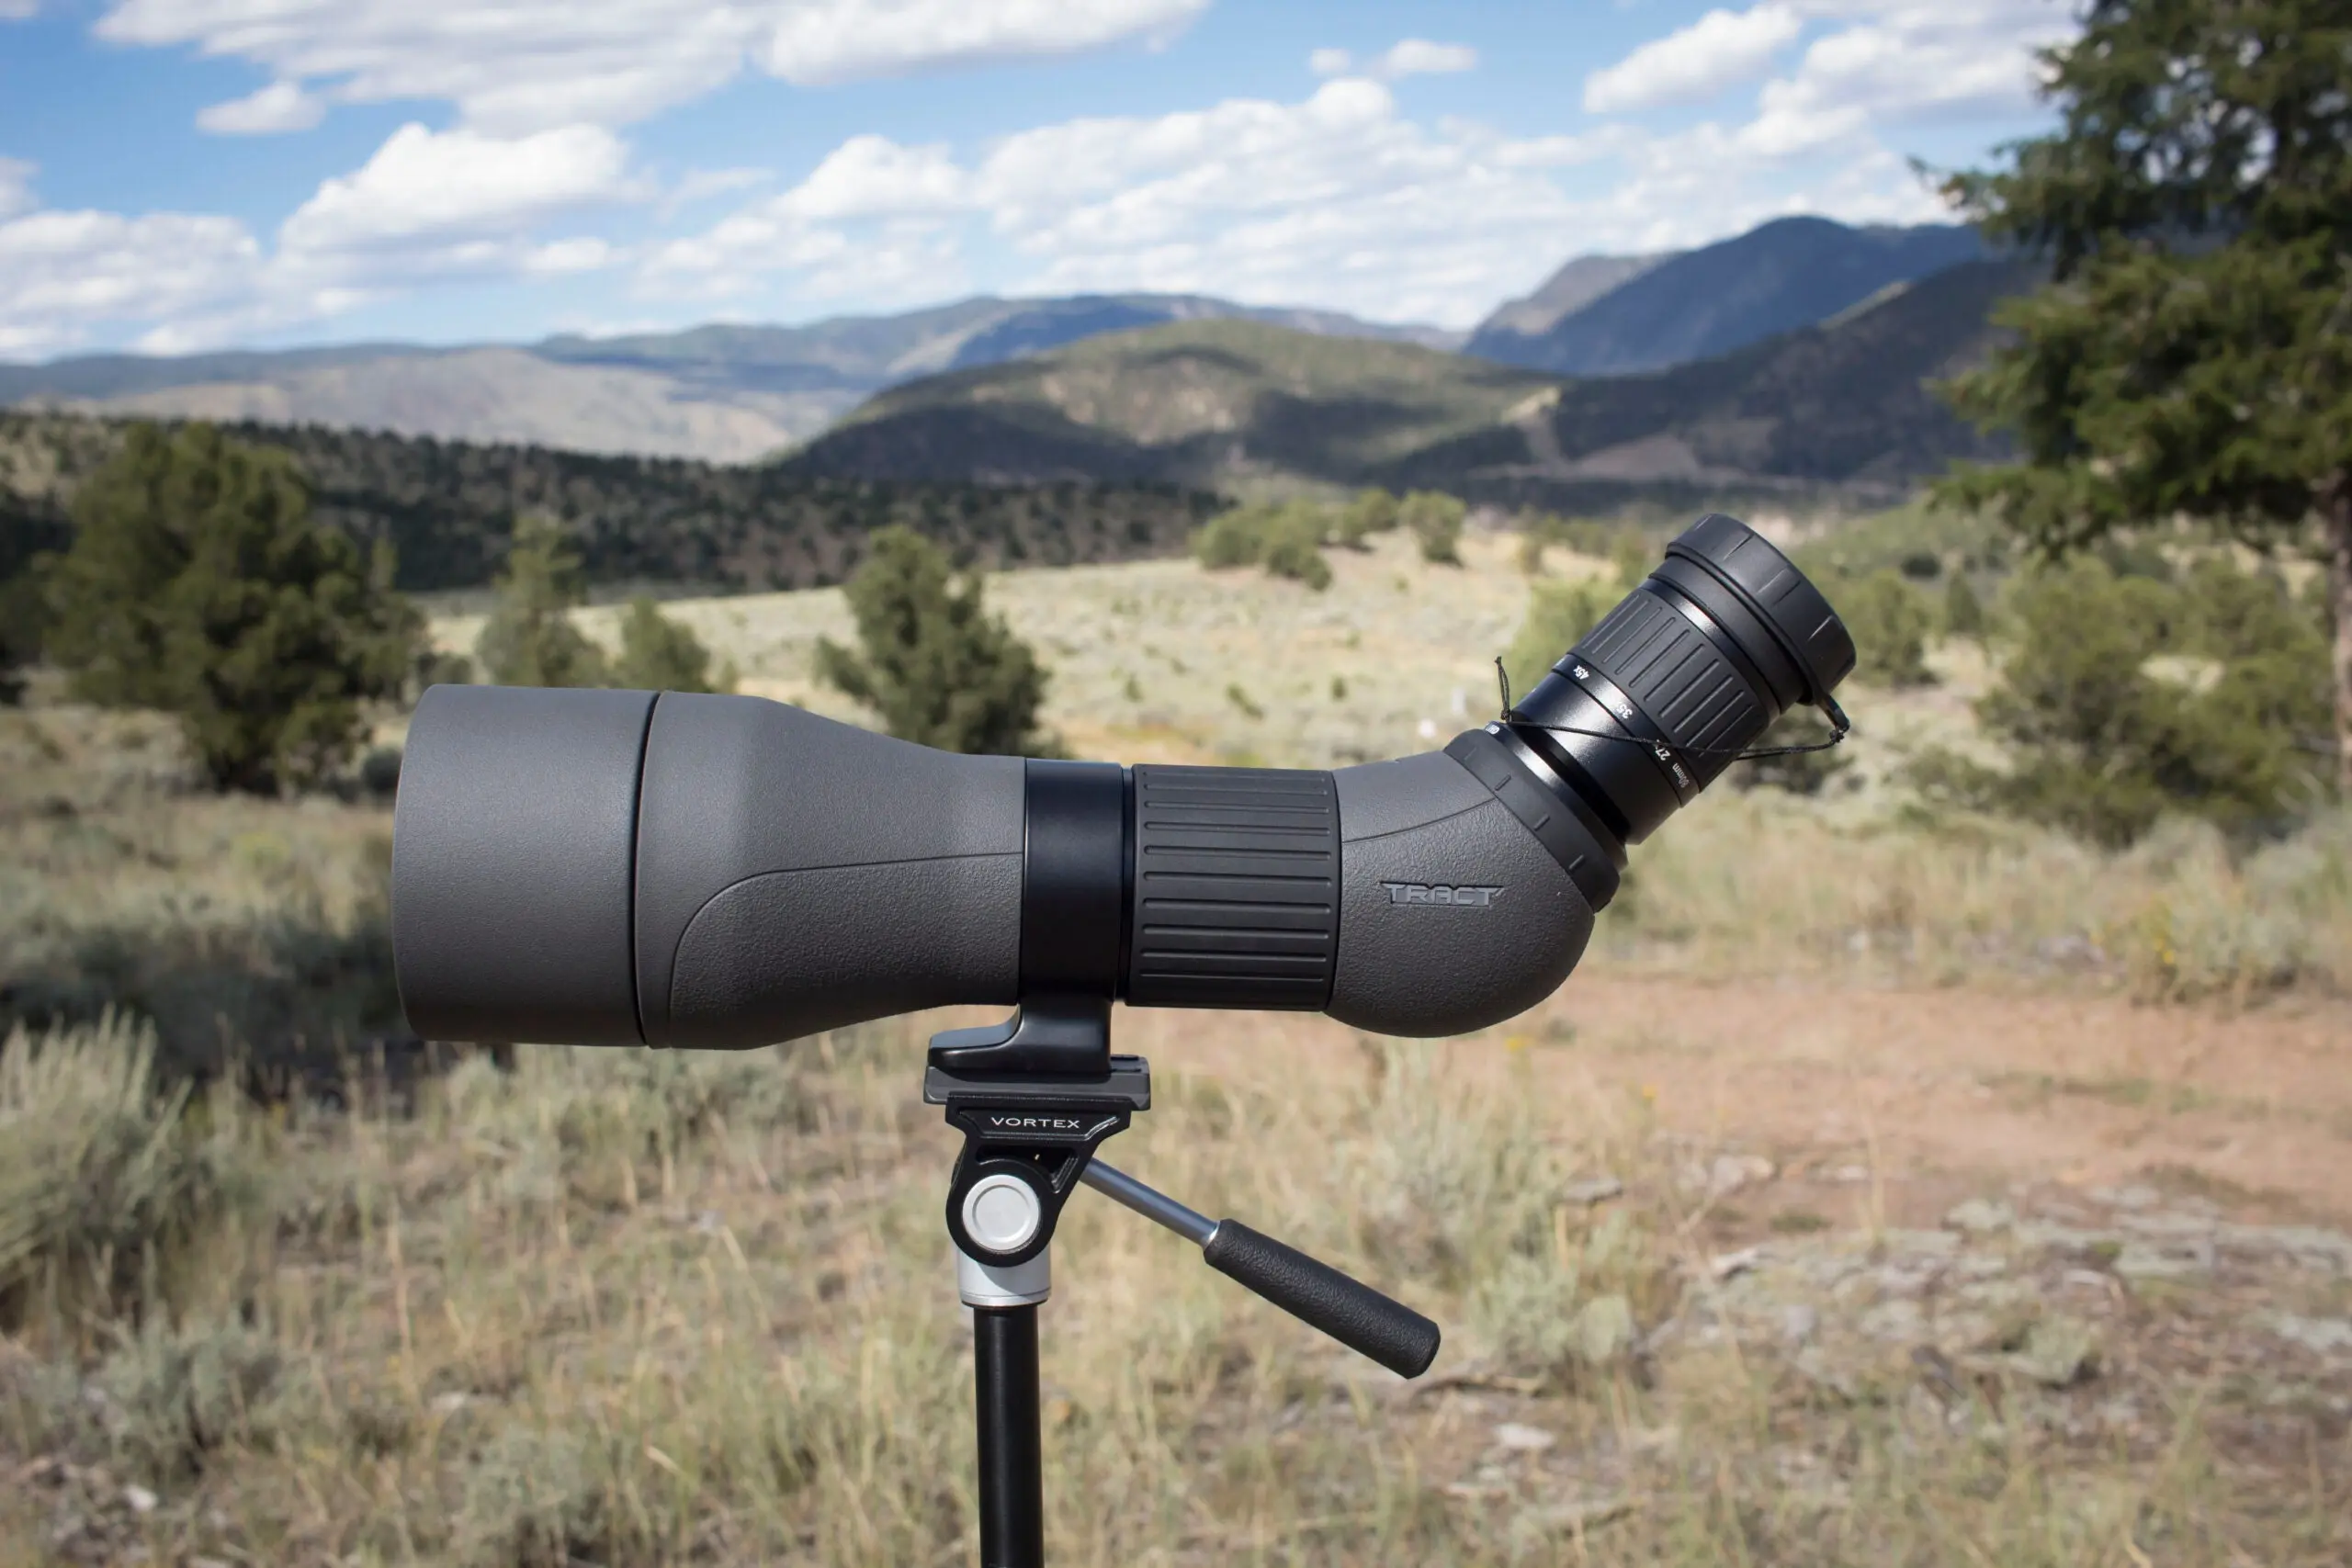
[{"x": 179, "y": 175}]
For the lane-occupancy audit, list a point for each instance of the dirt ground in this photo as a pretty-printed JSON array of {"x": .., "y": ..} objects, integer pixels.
[{"x": 1921, "y": 1097}]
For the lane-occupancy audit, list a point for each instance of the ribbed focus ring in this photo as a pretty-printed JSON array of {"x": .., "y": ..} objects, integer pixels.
[
  {"x": 1706, "y": 710},
  {"x": 1236, "y": 889}
]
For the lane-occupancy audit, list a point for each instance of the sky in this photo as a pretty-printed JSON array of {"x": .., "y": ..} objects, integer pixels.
[{"x": 188, "y": 174}]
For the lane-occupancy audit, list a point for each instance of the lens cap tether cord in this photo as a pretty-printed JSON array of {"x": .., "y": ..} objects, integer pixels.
[
  {"x": 1034, "y": 1097},
  {"x": 1840, "y": 727}
]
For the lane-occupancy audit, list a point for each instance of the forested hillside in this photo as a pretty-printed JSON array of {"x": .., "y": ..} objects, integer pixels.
[{"x": 449, "y": 507}]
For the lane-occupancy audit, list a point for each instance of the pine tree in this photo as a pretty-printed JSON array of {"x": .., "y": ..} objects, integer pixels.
[
  {"x": 659, "y": 654},
  {"x": 24, "y": 612},
  {"x": 939, "y": 669},
  {"x": 2192, "y": 353},
  {"x": 529, "y": 640},
  {"x": 1234, "y": 538},
  {"x": 2127, "y": 697},
  {"x": 197, "y": 584}
]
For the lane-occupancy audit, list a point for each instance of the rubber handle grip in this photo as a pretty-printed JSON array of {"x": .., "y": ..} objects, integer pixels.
[{"x": 1320, "y": 1296}]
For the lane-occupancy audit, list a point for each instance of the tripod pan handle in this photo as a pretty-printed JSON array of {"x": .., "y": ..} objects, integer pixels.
[{"x": 1320, "y": 1296}]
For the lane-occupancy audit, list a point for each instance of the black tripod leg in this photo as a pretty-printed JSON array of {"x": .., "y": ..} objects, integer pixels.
[{"x": 1013, "y": 1482}]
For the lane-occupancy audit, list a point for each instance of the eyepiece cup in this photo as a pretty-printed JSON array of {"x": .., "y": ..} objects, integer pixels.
[{"x": 1784, "y": 599}]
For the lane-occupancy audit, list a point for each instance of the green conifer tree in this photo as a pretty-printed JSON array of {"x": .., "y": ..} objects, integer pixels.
[
  {"x": 1293, "y": 545},
  {"x": 2192, "y": 353},
  {"x": 931, "y": 660},
  {"x": 2127, "y": 697},
  {"x": 198, "y": 583},
  {"x": 660, "y": 654},
  {"x": 529, "y": 640}
]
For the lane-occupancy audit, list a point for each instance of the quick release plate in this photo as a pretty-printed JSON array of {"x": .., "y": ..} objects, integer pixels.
[{"x": 1023, "y": 1119}]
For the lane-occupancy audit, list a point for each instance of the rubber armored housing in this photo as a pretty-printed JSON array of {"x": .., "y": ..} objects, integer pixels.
[{"x": 623, "y": 868}]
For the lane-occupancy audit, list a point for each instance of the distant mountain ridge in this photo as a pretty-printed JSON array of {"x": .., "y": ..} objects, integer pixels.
[
  {"x": 1577, "y": 284},
  {"x": 1839, "y": 407},
  {"x": 1790, "y": 273},
  {"x": 721, "y": 392},
  {"x": 730, "y": 392}
]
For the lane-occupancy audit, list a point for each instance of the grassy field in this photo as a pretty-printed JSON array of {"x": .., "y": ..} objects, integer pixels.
[
  {"x": 1887, "y": 1189},
  {"x": 614, "y": 1308}
]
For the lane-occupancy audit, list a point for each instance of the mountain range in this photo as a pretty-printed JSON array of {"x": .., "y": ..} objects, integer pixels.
[
  {"x": 1110, "y": 446},
  {"x": 720, "y": 392},
  {"x": 1844, "y": 406},
  {"x": 1649, "y": 312},
  {"x": 738, "y": 393}
]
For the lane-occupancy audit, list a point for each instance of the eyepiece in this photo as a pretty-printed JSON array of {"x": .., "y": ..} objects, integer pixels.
[{"x": 1683, "y": 675}]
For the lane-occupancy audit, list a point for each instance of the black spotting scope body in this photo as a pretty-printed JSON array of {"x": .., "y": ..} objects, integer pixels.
[{"x": 606, "y": 867}]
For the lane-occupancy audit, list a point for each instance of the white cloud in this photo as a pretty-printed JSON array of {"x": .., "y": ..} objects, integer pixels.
[
  {"x": 1905, "y": 60},
  {"x": 1407, "y": 57},
  {"x": 1419, "y": 57},
  {"x": 281, "y": 105},
  {"x": 65, "y": 274},
  {"x": 457, "y": 196},
  {"x": 1720, "y": 49},
  {"x": 518, "y": 65},
  {"x": 583, "y": 253},
  {"x": 873, "y": 176},
  {"x": 426, "y": 205},
  {"x": 1337, "y": 200},
  {"x": 840, "y": 41},
  {"x": 18, "y": 10}
]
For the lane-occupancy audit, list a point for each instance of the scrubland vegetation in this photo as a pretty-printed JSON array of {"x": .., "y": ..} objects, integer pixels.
[
  {"x": 620, "y": 1307},
  {"x": 604, "y": 1306}
]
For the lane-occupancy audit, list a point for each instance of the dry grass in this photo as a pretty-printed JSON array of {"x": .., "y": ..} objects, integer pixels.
[
  {"x": 1750, "y": 884},
  {"x": 618, "y": 1307},
  {"x": 231, "y": 923}
]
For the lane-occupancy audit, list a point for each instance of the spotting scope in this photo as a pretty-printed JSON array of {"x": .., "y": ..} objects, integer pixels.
[{"x": 612, "y": 868}]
